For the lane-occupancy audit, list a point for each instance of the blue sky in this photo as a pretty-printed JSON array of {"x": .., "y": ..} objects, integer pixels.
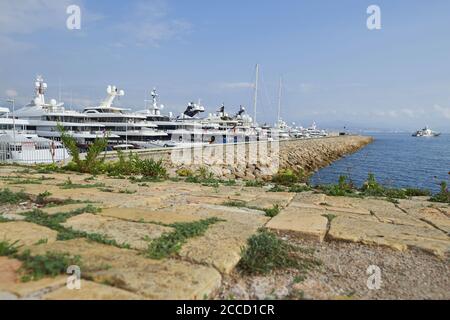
[{"x": 335, "y": 71}]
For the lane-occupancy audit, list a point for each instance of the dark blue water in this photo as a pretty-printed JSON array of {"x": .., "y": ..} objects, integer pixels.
[{"x": 397, "y": 160}]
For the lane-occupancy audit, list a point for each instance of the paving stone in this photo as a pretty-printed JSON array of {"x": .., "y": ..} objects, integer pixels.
[
  {"x": 65, "y": 208},
  {"x": 180, "y": 213},
  {"x": 308, "y": 223},
  {"x": 126, "y": 269},
  {"x": 269, "y": 199},
  {"x": 25, "y": 232},
  {"x": 33, "y": 289},
  {"x": 434, "y": 214},
  {"x": 135, "y": 234},
  {"x": 91, "y": 291},
  {"x": 398, "y": 237},
  {"x": 222, "y": 243}
]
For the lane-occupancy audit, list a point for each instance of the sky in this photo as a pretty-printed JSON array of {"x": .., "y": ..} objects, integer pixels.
[{"x": 335, "y": 70}]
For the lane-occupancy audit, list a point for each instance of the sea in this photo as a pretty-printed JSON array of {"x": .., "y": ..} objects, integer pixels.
[{"x": 397, "y": 160}]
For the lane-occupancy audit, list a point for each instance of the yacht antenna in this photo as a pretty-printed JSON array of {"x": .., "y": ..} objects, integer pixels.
[
  {"x": 279, "y": 102},
  {"x": 255, "y": 101}
]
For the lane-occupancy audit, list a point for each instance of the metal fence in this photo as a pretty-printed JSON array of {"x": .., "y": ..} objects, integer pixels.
[{"x": 30, "y": 152}]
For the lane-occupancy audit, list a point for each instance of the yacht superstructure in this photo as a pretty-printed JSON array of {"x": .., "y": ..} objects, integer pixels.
[
  {"x": 426, "y": 132},
  {"x": 43, "y": 118},
  {"x": 132, "y": 128}
]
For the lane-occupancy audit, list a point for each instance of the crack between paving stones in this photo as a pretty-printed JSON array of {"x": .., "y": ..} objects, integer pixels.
[{"x": 425, "y": 221}]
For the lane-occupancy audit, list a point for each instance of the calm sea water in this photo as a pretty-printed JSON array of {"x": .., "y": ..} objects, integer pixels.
[{"x": 397, "y": 160}]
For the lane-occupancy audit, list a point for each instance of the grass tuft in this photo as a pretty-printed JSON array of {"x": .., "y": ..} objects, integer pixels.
[
  {"x": 170, "y": 243},
  {"x": 265, "y": 253}
]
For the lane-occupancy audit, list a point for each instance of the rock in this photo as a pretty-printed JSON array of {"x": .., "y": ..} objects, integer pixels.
[{"x": 25, "y": 232}]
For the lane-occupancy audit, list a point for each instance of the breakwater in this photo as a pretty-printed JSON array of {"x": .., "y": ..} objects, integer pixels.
[{"x": 257, "y": 160}]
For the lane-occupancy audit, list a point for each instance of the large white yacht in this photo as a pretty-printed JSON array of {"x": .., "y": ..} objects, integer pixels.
[
  {"x": 132, "y": 128},
  {"x": 426, "y": 132},
  {"x": 43, "y": 118}
]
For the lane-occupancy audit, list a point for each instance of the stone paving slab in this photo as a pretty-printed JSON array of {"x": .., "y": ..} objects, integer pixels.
[
  {"x": 433, "y": 213},
  {"x": 169, "y": 215},
  {"x": 91, "y": 291},
  {"x": 269, "y": 199},
  {"x": 25, "y": 232},
  {"x": 222, "y": 243},
  {"x": 125, "y": 269},
  {"x": 135, "y": 234},
  {"x": 398, "y": 237},
  {"x": 308, "y": 223},
  {"x": 64, "y": 208}
]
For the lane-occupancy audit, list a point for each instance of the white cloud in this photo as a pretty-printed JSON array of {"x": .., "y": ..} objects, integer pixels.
[
  {"x": 151, "y": 24},
  {"x": 237, "y": 85},
  {"x": 444, "y": 111},
  {"x": 26, "y": 17}
]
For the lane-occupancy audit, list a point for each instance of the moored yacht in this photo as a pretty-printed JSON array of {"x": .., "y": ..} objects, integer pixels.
[
  {"x": 43, "y": 118},
  {"x": 132, "y": 128}
]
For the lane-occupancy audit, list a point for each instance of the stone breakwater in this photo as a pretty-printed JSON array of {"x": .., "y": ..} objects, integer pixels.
[
  {"x": 257, "y": 160},
  {"x": 308, "y": 156}
]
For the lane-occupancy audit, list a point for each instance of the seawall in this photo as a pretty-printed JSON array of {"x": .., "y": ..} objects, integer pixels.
[{"x": 256, "y": 159}]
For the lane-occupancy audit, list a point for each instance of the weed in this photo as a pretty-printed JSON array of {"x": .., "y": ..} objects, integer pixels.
[
  {"x": 330, "y": 217},
  {"x": 277, "y": 188},
  {"x": 184, "y": 172},
  {"x": 8, "y": 196},
  {"x": 42, "y": 241},
  {"x": 7, "y": 248},
  {"x": 265, "y": 252},
  {"x": 126, "y": 191},
  {"x": 170, "y": 243},
  {"x": 42, "y": 197},
  {"x": 68, "y": 184},
  {"x": 443, "y": 195},
  {"x": 272, "y": 212},
  {"x": 254, "y": 183},
  {"x": 3, "y": 219},
  {"x": 24, "y": 181},
  {"x": 299, "y": 188},
  {"x": 287, "y": 177},
  {"x": 51, "y": 264}
]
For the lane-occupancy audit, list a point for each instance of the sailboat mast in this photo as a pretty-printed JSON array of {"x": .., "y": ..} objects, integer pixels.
[
  {"x": 279, "y": 101},
  {"x": 255, "y": 101}
]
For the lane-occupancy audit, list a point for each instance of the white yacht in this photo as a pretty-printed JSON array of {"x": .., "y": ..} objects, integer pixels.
[
  {"x": 426, "y": 132},
  {"x": 237, "y": 128},
  {"x": 43, "y": 118},
  {"x": 132, "y": 128}
]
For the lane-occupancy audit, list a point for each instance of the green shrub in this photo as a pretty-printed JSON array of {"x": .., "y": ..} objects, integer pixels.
[
  {"x": 149, "y": 168},
  {"x": 286, "y": 177},
  {"x": 91, "y": 162},
  {"x": 183, "y": 172}
]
